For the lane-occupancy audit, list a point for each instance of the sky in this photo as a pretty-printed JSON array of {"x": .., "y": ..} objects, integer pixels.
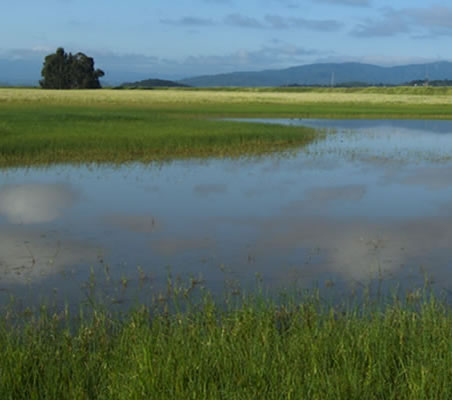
[{"x": 182, "y": 38}]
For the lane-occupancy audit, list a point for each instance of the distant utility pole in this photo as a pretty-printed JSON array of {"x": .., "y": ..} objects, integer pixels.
[{"x": 332, "y": 79}]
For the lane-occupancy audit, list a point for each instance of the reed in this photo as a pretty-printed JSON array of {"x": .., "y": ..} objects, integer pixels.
[{"x": 254, "y": 347}]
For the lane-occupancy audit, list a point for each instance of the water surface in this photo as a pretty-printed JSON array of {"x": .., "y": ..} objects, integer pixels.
[{"x": 370, "y": 199}]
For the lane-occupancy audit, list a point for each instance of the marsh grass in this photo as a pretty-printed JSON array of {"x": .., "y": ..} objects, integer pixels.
[
  {"x": 39, "y": 127},
  {"x": 254, "y": 346},
  {"x": 34, "y": 135}
]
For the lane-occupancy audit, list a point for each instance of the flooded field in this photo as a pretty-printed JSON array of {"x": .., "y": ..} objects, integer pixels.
[{"x": 370, "y": 200}]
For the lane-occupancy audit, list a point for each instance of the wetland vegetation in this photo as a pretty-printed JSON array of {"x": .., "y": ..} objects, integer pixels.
[
  {"x": 46, "y": 127},
  {"x": 185, "y": 344},
  {"x": 250, "y": 347}
]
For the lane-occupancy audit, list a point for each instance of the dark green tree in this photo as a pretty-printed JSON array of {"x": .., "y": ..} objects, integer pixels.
[
  {"x": 68, "y": 71},
  {"x": 55, "y": 71}
]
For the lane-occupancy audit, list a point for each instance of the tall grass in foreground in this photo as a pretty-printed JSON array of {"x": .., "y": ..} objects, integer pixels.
[{"x": 256, "y": 349}]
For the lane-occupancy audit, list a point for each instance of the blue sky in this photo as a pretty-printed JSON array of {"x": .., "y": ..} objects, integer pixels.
[{"x": 157, "y": 38}]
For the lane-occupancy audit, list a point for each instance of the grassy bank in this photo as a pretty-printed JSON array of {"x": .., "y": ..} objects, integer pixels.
[
  {"x": 255, "y": 349},
  {"x": 40, "y": 127}
]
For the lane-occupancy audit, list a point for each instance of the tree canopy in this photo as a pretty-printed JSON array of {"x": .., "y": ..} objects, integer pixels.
[{"x": 63, "y": 70}]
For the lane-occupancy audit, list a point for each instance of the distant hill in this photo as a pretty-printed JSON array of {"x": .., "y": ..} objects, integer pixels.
[
  {"x": 327, "y": 74},
  {"x": 150, "y": 83},
  {"x": 19, "y": 73}
]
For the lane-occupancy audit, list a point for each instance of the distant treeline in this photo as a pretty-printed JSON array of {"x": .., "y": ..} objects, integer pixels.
[
  {"x": 151, "y": 83},
  {"x": 420, "y": 82},
  {"x": 343, "y": 85},
  {"x": 442, "y": 82}
]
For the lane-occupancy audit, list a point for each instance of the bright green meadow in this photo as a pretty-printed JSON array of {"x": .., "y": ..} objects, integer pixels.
[{"x": 296, "y": 346}]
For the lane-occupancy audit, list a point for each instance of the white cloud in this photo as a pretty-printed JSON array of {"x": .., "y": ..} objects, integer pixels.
[
  {"x": 432, "y": 22},
  {"x": 390, "y": 23},
  {"x": 282, "y": 22},
  {"x": 274, "y": 56}
]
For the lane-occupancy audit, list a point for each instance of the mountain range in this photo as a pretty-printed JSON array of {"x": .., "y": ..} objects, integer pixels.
[
  {"x": 328, "y": 74},
  {"x": 21, "y": 72}
]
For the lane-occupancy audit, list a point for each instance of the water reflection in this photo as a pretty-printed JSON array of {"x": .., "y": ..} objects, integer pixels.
[
  {"x": 356, "y": 248},
  {"x": 368, "y": 125},
  {"x": 35, "y": 203},
  {"x": 373, "y": 197},
  {"x": 320, "y": 197},
  {"x": 430, "y": 177},
  {"x": 30, "y": 256},
  {"x": 379, "y": 140},
  {"x": 171, "y": 246},
  {"x": 207, "y": 189},
  {"x": 133, "y": 223}
]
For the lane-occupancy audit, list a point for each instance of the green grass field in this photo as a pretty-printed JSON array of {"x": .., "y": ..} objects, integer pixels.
[
  {"x": 254, "y": 349},
  {"x": 39, "y": 127}
]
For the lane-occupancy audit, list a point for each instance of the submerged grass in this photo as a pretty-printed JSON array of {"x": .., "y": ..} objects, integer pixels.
[
  {"x": 39, "y": 127},
  {"x": 256, "y": 348}
]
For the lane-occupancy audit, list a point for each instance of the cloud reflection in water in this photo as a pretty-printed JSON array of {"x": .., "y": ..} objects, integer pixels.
[
  {"x": 35, "y": 203},
  {"x": 28, "y": 255}
]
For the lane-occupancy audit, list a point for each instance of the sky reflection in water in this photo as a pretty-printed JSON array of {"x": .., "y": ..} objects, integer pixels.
[{"x": 373, "y": 197}]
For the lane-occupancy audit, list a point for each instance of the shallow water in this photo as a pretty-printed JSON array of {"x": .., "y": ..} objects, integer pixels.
[{"x": 371, "y": 199}]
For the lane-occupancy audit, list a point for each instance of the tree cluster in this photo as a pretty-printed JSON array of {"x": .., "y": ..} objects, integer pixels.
[
  {"x": 63, "y": 70},
  {"x": 152, "y": 83},
  {"x": 426, "y": 82}
]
